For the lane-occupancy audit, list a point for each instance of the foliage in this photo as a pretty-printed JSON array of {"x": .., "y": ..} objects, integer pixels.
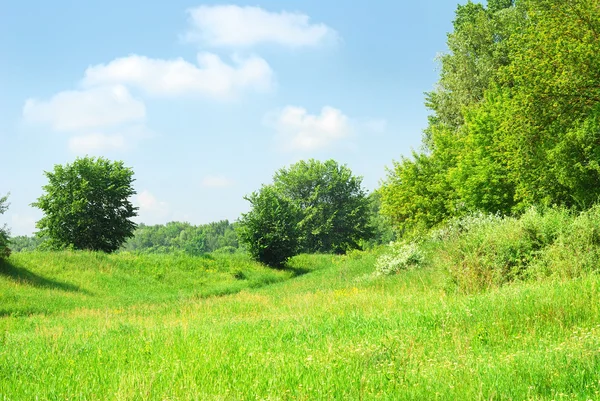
[
  {"x": 176, "y": 237},
  {"x": 312, "y": 206},
  {"x": 400, "y": 256},
  {"x": 4, "y": 233},
  {"x": 335, "y": 212},
  {"x": 23, "y": 243},
  {"x": 482, "y": 251},
  {"x": 383, "y": 231},
  {"x": 515, "y": 117},
  {"x": 86, "y": 205},
  {"x": 270, "y": 230}
]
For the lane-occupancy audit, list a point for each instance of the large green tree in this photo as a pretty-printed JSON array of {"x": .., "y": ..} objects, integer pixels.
[
  {"x": 4, "y": 233},
  {"x": 515, "y": 116},
  {"x": 554, "y": 82},
  {"x": 87, "y": 205},
  {"x": 335, "y": 208},
  {"x": 312, "y": 206}
]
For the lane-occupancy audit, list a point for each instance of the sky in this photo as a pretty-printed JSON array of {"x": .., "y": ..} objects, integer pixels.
[{"x": 206, "y": 101}]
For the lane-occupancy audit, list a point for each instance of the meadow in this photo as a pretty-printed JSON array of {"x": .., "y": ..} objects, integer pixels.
[{"x": 86, "y": 326}]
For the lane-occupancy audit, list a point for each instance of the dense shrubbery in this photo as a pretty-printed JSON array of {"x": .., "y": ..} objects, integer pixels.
[{"x": 483, "y": 251}]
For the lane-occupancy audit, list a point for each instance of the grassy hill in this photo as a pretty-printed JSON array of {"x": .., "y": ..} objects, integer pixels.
[{"x": 83, "y": 326}]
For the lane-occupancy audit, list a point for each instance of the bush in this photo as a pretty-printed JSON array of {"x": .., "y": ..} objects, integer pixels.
[
  {"x": 270, "y": 230},
  {"x": 575, "y": 250},
  {"x": 483, "y": 251},
  {"x": 401, "y": 256}
]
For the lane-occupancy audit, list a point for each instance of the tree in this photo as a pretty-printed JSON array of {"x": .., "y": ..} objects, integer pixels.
[
  {"x": 270, "y": 230},
  {"x": 311, "y": 206},
  {"x": 86, "y": 205},
  {"x": 4, "y": 233},
  {"x": 555, "y": 88},
  {"x": 335, "y": 210}
]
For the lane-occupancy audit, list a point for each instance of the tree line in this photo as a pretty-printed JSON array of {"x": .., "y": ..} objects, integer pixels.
[
  {"x": 515, "y": 117},
  {"x": 311, "y": 206}
]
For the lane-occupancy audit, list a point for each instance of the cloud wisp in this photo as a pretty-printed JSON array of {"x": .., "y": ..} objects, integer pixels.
[{"x": 233, "y": 26}]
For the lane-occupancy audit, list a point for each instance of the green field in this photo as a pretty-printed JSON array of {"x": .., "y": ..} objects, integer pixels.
[{"x": 84, "y": 326}]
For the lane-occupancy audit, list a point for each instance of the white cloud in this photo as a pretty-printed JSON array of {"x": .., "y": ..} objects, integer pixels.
[
  {"x": 211, "y": 76},
  {"x": 216, "y": 181},
  {"x": 235, "y": 26},
  {"x": 151, "y": 210},
  {"x": 298, "y": 130},
  {"x": 72, "y": 111}
]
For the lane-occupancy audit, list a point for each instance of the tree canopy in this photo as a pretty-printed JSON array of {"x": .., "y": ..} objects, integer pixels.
[
  {"x": 86, "y": 205},
  {"x": 176, "y": 237},
  {"x": 335, "y": 210},
  {"x": 270, "y": 230},
  {"x": 515, "y": 116},
  {"x": 311, "y": 206}
]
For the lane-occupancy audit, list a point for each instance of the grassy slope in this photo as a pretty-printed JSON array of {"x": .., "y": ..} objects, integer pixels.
[{"x": 334, "y": 333}]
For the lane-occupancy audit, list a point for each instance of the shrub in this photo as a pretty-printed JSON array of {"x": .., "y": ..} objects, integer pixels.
[
  {"x": 401, "y": 256},
  {"x": 481, "y": 251},
  {"x": 270, "y": 230},
  {"x": 576, "y": 249}
]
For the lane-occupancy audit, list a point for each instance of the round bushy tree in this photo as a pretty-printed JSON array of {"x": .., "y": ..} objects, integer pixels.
[
  {"x": 312, "y": 206},
  {"x": 270, "y": 230},
  {"x": 335, "y": 210},
  {"x": 86, "y": 205}
]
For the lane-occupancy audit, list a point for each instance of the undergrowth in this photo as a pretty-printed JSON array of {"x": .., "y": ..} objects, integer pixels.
[{"x": 485, "y": 251}]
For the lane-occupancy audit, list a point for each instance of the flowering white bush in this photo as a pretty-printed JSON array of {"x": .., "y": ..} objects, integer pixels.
[{"x": 401, "y": 257}]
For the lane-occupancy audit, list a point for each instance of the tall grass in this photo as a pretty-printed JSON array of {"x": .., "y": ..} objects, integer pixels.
[
  {"x": 47, "y": 282},
  {"x": 486, "y": 251},
  {"x": 327, "y": 328}
]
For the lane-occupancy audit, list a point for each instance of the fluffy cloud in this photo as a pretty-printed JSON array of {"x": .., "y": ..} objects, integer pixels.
[
  {"x": 214, "y": 181},
  {"x": 211, "y": 76},
  {"x": 73, "y": 111},
  {"x": 298, "y": 130},
  {"x": 235, "y": 26}
]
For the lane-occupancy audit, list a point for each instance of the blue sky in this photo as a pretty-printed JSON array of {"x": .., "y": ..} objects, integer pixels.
[{"x": 205, "y": 101}]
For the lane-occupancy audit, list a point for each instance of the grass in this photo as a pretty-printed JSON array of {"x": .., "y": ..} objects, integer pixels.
[
  {"x": 92, "y": 327},
  {"x": 47, "y": 282}
]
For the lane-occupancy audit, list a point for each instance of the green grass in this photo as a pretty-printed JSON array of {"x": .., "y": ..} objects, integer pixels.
[
  {"x": 93, "y": 327},
  {"x": 47, "y": 282}
]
